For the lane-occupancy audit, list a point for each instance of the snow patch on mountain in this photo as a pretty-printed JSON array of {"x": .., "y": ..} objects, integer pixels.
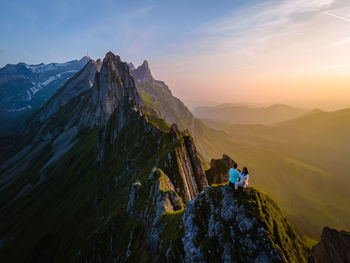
[
  {"x": 29, "y": 96},
  {"x": 43, "y": 67},
  {"x": 28, "y": 107},
  {"x": 50, "y": 79}
]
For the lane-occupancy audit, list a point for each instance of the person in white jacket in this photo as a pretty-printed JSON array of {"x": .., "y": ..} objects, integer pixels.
[{"x": 243, "y": 179}]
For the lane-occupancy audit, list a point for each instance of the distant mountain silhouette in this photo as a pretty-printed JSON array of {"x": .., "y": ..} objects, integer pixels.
[{"x": 245, "y": 114}]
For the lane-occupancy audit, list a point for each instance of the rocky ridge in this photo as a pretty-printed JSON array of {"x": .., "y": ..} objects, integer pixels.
[{"x": 119, "y": 185}]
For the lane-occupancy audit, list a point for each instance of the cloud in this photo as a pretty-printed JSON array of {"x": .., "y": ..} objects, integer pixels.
[
  {"x": 280, "y": 46},
  {"x": 141, "y": 11},
  {"x": 257, "y": 28},
  {"x": 336, "y": 16},
  {"x": 343, "y": 41}
]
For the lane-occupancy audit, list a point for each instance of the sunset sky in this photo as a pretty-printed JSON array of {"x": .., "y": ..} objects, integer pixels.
[{"x": 295, "y": 51}]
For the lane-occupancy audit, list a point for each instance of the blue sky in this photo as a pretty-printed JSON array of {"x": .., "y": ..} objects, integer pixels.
[
  {"x": 247, "y": 51},
  {"x": 56, "y": 31}
]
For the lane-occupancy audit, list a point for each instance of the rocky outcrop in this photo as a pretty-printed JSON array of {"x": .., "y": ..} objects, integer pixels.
[
  {"x": 333, "y": 247},
  {"x": 196, "y": 164},
  {"x": 114, "y": 88},
  {"x": 142, "y": 73},
  {"x": 185, "y": 160},
  {"x": 219, "y": 168},
  {"x": 227, "y": 159},
  {"x": 223, "y": 225}
]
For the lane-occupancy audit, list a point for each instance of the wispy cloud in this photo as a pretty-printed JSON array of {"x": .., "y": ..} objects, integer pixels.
[
  {"x": 280, "y": 44},
  {"x": 141, "y": 11},
  {"x": 251, "y": 31},
  {"x": 336, "y": 16},
  {"x": 343, "y": 41}
]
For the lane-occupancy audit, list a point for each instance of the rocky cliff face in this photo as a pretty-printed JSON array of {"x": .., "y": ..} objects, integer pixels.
[
  {"x": 219, "y": 168},
  {"x": 114, "y": 89},
  {"x": 333, "y": 247}
]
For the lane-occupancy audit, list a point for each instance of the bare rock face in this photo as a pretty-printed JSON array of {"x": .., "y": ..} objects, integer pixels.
[
  {"x": 227, "y": 159},
  {"x": 142, "y": 73},
  {"x": 333, "y": 247},
  {"x": 200, "y": 177},
  {"x": 114, "y": 87},
  {"x": 219, "y": 168}
]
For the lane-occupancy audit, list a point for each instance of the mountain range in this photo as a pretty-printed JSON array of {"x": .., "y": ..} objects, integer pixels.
[
  {"x": 24, "y": 88},
  {"x": 275, "y": 167},
  {"x": 95, "y": 177},
  {"x": 113, "y": 167},
  {"x": 246, "y": 114}
]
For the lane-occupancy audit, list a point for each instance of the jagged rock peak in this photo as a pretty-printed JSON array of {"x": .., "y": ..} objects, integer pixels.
[
  {"x": 145, "y": 64},
  {"x": 114, "y": 87},
  {"x": 143, "y": 72}
]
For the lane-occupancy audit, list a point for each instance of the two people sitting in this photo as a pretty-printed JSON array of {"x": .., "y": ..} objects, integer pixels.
[{"x": 238, "y": 178}]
